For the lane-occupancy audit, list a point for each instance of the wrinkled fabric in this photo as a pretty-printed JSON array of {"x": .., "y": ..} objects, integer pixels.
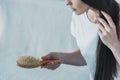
[{"x": 85, "y": 33}]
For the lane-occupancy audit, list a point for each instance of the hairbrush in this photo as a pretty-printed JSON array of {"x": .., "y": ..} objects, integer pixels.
[{"x": 31, "y": 62}]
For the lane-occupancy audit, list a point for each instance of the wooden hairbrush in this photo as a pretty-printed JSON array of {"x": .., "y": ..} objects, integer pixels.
[{"x": 31, "y": 62}]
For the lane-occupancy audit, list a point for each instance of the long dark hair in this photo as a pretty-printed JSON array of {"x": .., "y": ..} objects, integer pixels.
[{"x": 106, "y": 63}]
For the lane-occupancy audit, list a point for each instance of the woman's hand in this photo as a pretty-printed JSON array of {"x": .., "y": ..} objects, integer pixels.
[
  {"x": 107, "y": 31},
  {"x": 52, "y": 64}
]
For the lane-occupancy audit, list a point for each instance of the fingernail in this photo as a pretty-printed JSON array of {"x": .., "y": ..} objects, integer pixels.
[{"x": 52, "y": 62}]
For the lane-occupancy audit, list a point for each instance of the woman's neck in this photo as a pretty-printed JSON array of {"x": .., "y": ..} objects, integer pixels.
[{"x": 92, "y": 15}]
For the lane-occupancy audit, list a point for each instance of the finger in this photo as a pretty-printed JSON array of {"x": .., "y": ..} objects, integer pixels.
[
  {"x": 100, "y": 32},
  {"x": 104, "y": 23},
  {"x": 53, "y": 63},
  {"x": 103, "y": 31},
  {"x": 45, "y": 65},
  {"x": 50, "y": 67},
  {"x": 42, "y": 66},
  {"x": 58, "y": 62},
  {"x": 53, "y": 67},
  {"x": 109, "y": 19},
  {"x": 46, "y": 57}
]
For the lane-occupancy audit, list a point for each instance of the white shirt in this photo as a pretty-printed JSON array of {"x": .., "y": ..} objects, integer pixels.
[
  {"x": 118, "y": 1},
  {"x": 86, "y": 36}
]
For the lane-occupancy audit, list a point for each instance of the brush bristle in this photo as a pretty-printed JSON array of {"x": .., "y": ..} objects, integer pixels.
[{"x": 28, "y": 62}]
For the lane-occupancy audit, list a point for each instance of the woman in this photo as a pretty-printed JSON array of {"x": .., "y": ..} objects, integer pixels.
[{"x": 97, "y": 35}]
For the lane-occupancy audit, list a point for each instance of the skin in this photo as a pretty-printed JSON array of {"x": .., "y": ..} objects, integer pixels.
[
  {"x": 106, "y": 31},
  {"x": 72, "y": 58},
  {"x": 108, "y": 35},
  {"x": 77, "y": 6}
]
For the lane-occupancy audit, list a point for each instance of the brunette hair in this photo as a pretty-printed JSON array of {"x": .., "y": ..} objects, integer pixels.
[{"x": 106, "y": 63}]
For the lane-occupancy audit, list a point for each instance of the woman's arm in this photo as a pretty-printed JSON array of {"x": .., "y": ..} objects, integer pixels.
[
  {"x": 73, "y": 58},
  {"x": 116, "y": 51}
]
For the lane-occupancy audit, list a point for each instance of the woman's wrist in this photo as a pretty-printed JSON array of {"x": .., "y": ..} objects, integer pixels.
[
  {"x": 116, "y": 52},
  {"x": 59, "y": 55},
  {"x": 115, "y": 46}
]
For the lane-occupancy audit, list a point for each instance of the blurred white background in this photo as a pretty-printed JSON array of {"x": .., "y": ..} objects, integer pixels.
[{"x": 36, "y": 27}]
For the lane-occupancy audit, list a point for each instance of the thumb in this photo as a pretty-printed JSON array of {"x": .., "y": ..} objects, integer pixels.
[
  {"x": 56, "y": 62},
  {"x": 47, "y": 57}
]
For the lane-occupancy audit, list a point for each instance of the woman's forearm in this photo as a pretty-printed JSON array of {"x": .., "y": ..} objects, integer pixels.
[
  {"x": 74, "y": 58},
  {"x": 116, "y": 52}
]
